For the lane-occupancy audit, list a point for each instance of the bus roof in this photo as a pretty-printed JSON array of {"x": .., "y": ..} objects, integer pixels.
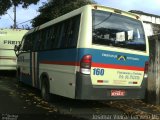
[
  {"x": 79, "y": 10},
  {"x": 115, "y": 10}
]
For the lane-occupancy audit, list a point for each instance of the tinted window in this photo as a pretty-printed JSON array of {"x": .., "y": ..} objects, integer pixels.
[
  {"x": 69, "y": 32},
  {"x": 117, "y": 30},
  {"x": 27, "y": 43},
  {"x": 60, "y": 35},
  {"x": 65, "y": 34}
]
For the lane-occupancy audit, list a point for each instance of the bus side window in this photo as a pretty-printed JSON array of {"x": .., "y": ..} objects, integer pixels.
[
  {"x": 27, "y": 43},
  {"x": 69, "y": 32},
  {"x": 57, "y": 35},
  {"x": 64, "y": 34},
  {"x": 47, "y": 39},
  {"x": 73, "y": 32},
  {"x": 34, "y": 41},
  {"x": 61, "y": 33},
  {"x": 42, "y": 39},
  {"x": 50, "y": 38},
  {"x": 39, "y": 40},
  {"x": 22, "y": 44}
]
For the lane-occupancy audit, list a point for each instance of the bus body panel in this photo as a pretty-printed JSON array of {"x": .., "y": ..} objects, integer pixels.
[
  {"x": 60, "y": 65},
  {"x": 85, "y": 90},
  {"x": 61, "y": 73},
  {"x": 24, "y": 70},
  {"x": 115, "y": 68}
]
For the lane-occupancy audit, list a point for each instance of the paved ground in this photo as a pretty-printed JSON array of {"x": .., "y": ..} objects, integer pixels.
[
  {"x": 21, "y": 102},
  {"x": 15, "y": 104},
  {"x": 18, "y": 101}
]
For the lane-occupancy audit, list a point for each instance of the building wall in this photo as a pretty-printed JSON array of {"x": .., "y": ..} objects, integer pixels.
[
  {"x": 148, "y": 29},
  {"x": 151, "y": 19},
  {"x": 151, "y": 22},
  {"x": 153, "y": 86}
]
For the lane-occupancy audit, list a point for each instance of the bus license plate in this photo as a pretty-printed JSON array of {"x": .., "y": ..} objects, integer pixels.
[{"x": 118, "y": 92}]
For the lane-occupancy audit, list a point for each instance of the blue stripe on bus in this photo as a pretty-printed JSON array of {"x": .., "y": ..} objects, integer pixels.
[
  {"x": 59, "y": 55},
  {"x": 98, "y": 56},
  {"x": 110, "y": 57}
]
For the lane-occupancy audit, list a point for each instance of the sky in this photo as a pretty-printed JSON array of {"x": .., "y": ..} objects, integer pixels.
[{"x": 148, "y": 6}]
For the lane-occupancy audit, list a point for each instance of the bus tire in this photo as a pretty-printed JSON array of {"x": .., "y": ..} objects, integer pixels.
[{"x": 45, "y": 89}]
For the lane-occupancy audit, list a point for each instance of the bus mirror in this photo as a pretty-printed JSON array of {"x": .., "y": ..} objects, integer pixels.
[{"x": 16, "y": 48}]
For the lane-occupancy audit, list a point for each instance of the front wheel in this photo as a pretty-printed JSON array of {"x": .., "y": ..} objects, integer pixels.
[{"x": 45, "y": 90}]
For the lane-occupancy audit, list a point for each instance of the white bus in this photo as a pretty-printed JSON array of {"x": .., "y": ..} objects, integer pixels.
[
  {"x": 92, "y": 53},
  {"x": 8, "y": 39}
]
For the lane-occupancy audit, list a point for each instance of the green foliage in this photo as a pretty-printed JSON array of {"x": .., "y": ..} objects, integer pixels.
[
  {"x": 57, "y": 8},
  {"x": 6, "y": 4}
]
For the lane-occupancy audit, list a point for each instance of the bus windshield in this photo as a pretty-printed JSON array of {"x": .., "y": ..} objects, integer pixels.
[{"x": 116, "y": 30}]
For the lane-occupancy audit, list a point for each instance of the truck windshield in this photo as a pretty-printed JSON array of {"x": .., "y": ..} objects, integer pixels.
[{"x": 116, "y": 30}]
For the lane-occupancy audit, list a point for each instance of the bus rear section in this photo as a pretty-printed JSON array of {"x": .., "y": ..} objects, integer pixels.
[{"x": 115, "y": 65}]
